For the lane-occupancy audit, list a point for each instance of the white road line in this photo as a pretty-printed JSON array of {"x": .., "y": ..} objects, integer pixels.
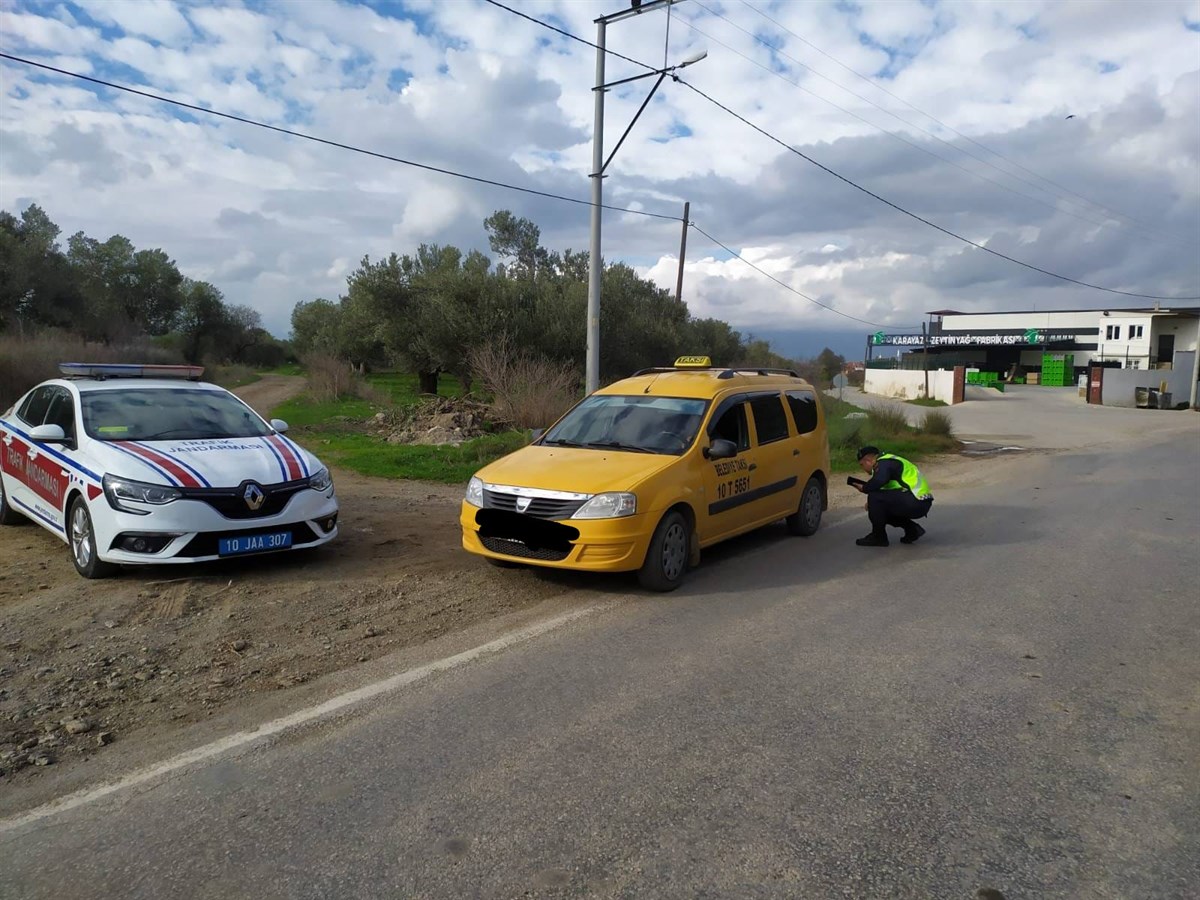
[{"x": 329, "y": 708}]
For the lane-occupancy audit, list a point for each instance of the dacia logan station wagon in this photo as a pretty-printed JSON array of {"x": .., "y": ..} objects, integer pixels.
[{"x": 645, "y": 473}]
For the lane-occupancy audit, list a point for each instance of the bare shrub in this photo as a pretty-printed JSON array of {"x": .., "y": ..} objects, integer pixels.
[
  {"x": 329, "y": 378},
  {"x": 527, "y": 391},
  {"x": 938, "y": 423},
  {"x": 28, "y": 359},
  {"x": 886, "y": 421}
]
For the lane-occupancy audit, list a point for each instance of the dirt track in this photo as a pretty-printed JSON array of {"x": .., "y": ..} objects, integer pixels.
[{"x": 145, "y": 655}]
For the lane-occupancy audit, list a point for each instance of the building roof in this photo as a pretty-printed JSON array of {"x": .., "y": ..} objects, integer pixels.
[{"x": 1172, "y": 310}]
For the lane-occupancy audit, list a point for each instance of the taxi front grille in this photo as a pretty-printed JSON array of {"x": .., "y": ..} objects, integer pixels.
[
  {"x": 539, "y": 507},
  {"x": 513, "y": 547}
]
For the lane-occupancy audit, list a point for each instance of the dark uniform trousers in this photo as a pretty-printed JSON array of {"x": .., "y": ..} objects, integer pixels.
[{"x": 895, "y": 508}]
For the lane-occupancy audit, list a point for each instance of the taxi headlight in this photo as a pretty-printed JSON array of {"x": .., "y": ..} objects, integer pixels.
[
  {"x": 612, "y": 505},
  {"x": 121, "y": 491},
  {"x": 321, "y": 481},
  {"x": 475, "y": 491}
]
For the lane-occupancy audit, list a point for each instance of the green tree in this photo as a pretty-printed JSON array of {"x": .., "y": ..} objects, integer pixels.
[
  {"x": 829, "y": 364},
  {"x": 203, "y": 320},
  {"x": 37, "y": 286}
]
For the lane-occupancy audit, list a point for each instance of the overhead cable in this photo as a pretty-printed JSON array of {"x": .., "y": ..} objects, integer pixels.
[
  {"x": 787, "y": 286},
  {"x": 320, "y": 140},
  {"x": 965, "y": 137},
  {"x": 913, "y": 215}
]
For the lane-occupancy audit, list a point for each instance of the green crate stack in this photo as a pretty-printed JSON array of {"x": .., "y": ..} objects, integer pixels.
[{"x": 1058, "y": 370}]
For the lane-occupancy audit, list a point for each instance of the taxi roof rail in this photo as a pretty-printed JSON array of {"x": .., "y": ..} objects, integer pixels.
[{"x": 724, "y": 371}]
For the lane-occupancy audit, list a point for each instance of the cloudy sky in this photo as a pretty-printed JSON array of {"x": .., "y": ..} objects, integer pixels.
[{"x": 1065, "y": 134}]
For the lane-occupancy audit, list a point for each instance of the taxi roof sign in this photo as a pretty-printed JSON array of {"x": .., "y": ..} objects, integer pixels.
[
  {"x": 693, "y": 362},
  {"x": 118, "y": 370}
]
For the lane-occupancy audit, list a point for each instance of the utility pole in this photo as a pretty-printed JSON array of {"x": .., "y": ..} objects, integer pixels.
[
  {"x": 1195, "y": 367},
  {"x": 925, "y": 354},
  {"x": 682, "y": 253}
]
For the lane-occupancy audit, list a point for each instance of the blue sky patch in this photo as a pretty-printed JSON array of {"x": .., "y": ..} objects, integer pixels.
[{"x": 1106, "y": 67}]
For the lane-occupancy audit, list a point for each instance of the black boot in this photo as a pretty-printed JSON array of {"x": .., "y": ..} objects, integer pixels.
[
  {"x": 873, "y": 540},
  {"x": 912, "y": 534}
]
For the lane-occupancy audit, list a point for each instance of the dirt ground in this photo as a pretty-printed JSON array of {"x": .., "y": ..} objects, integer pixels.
[{"x": 86, "y": 667}]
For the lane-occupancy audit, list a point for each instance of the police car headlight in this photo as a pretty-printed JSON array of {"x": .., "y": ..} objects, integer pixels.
[
  {"x": 121, "y": 491},
  {"x": 475, "y": 491},
  {"x": 321, "y": 481},
  {"x": 612, "y": 505}
]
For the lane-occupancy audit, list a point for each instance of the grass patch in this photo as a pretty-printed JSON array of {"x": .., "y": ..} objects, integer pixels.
[
  {"x": 305, "y": 413},
  {"x": 286, "y": 369},
  {"x": 232, "y": 376},
  {"x": 927, "y": 401},
  {"x": 401, "y": 389},
  {"x": 883, "y": 427},
  {"x": 368, "y": 455}
]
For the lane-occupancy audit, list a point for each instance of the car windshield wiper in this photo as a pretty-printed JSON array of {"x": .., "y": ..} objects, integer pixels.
[
  {"x": 559, "y": 442},
  {"x": 617, "y": 445}
]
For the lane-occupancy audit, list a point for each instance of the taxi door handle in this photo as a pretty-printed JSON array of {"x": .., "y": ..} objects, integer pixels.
[{"x": 753, "y": 466}]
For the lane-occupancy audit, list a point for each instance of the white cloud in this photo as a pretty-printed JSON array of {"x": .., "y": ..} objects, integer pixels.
[{"x": 274, "y": 220}]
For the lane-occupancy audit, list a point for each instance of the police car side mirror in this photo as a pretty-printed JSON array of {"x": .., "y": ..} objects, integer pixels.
[
  {"x": 49, "y": 434},
  {"x": 279, "y": 425},
  {"x": 721, "y": 449}
]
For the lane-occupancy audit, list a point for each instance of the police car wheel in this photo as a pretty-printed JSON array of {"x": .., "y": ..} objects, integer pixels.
[
  {"x": 807, "y": 518},
  {"x": 667, "y": 559},
  {"x": 8, "y": 515},
  {"x": 82, "y": 538}
]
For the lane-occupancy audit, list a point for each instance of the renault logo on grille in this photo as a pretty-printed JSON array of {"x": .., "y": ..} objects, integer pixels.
[
  {"x": 254, "y": 496},
  {"x": 523, "y": 503}
]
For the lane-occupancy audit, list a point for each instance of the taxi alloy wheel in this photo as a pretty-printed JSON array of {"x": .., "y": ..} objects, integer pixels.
[
  {"x": 8, "y": 515},
  {"x": 807, "y": 518},
  {"x": 667, "y": 559},
  {"x": 83, "y": 543}
]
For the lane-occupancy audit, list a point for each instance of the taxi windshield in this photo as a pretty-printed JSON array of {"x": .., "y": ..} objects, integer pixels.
[
  {"x": 167, "y": 414},
  {"x": 637, "y": 424}
]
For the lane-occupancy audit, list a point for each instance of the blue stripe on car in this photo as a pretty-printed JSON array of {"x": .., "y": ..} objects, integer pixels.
[
  {"x": 179, "y": 462},
  {"x": 299, "y": 454},
  {"x": 34, "y": 512},
  {"x": 66, "y": 461},
  {"x": 171, "y": 479},
  {"x": 278, "y": 458}
]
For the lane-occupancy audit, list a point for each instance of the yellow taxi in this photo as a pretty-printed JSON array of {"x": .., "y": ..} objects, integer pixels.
[{"x": 644, "y": 473}]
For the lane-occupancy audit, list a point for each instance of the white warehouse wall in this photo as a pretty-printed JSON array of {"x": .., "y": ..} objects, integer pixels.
[{"x": 906, "y": 384}]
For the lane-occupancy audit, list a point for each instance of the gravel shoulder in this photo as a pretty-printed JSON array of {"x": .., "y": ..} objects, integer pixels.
[{"x": 96, "y": 677}]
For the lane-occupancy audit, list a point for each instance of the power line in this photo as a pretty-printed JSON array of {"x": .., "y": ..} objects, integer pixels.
[
  {"x": 913, "y": 215},
  {"x": 567, "y": 34},
  {"x": 329, "y": 143},
  {"x": 1150, "y": 233},
  {"x": 863, "y": 189},
  {"x": 787, "y": 286},
  {"x": 897, "y": 135},
  {"x": 930, "y": 116}
]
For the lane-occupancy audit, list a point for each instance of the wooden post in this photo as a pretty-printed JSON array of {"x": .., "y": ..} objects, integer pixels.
[{"x": 682, "y": 245}]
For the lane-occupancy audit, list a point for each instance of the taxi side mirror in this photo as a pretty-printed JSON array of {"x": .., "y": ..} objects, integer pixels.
[
  {"x": 48, "y": 434},
  {"x": 721, "y": 449}
]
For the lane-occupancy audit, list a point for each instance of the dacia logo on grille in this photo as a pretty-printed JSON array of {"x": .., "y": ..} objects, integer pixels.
[
  {"x": 523, "y": 503},
  {"x": 254, "y": 497}
]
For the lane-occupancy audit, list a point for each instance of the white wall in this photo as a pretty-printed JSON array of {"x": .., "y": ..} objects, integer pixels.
[
  {"x": 904, "y": 384},
  {"x": 1120, "y": 385},
  {"x": 1046, "y": 321}
]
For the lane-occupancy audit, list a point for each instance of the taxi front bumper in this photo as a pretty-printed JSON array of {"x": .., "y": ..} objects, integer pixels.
[{"x": 594, "y": 545}]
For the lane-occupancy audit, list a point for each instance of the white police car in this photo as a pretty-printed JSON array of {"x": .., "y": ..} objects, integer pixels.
[{"x": 146, "y": 464}]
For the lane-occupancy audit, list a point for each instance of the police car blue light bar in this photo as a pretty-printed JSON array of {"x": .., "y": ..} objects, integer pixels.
[{"x": 118, "y": 370}]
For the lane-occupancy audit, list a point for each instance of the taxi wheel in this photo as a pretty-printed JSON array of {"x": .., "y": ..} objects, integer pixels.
[
  {"x": 8, "y": 515},
  {"x": 83, "y": 543},
  {"x": 667, "y": 559},
  {"x": 807, "y": 518}
]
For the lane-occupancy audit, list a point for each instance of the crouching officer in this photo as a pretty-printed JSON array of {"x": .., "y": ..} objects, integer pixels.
[{"x": 896, "y": 494}]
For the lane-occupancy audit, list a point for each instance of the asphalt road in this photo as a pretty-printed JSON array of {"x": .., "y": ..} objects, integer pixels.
[{"x": 1010, "y": 704}]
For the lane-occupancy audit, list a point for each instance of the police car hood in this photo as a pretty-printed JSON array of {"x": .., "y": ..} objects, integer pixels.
[
  {"x": 574, "y": 469},
  {"x": 222, "y": 462}
]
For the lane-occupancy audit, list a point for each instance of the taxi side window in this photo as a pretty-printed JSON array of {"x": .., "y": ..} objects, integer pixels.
[
  {"x": 62, "y": 413},
  {"x": 770, "y": 421},
  {"x": 804, "y": 410},
  {"x": 33, "y": 410},
  {"x": 731, "y": 426}
]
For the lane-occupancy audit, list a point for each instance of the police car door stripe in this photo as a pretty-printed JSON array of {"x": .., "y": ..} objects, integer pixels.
[
  {"x": 293, "y": 467},
  {"x": 179, "y": 462},
  {"x": 33, "y": 512},
  {"x": 278, "y": 458},
  {"x": 299, "y": 454},
  {"x": 45, "y": 448}
]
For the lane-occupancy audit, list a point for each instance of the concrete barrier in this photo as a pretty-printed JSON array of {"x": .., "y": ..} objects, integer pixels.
[{"x": 904, "y": 384}]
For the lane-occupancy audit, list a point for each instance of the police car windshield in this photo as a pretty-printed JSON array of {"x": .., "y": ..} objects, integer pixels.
[
  {"x": 167, "y": 414},
  {"x": 638, "y": 424}
]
